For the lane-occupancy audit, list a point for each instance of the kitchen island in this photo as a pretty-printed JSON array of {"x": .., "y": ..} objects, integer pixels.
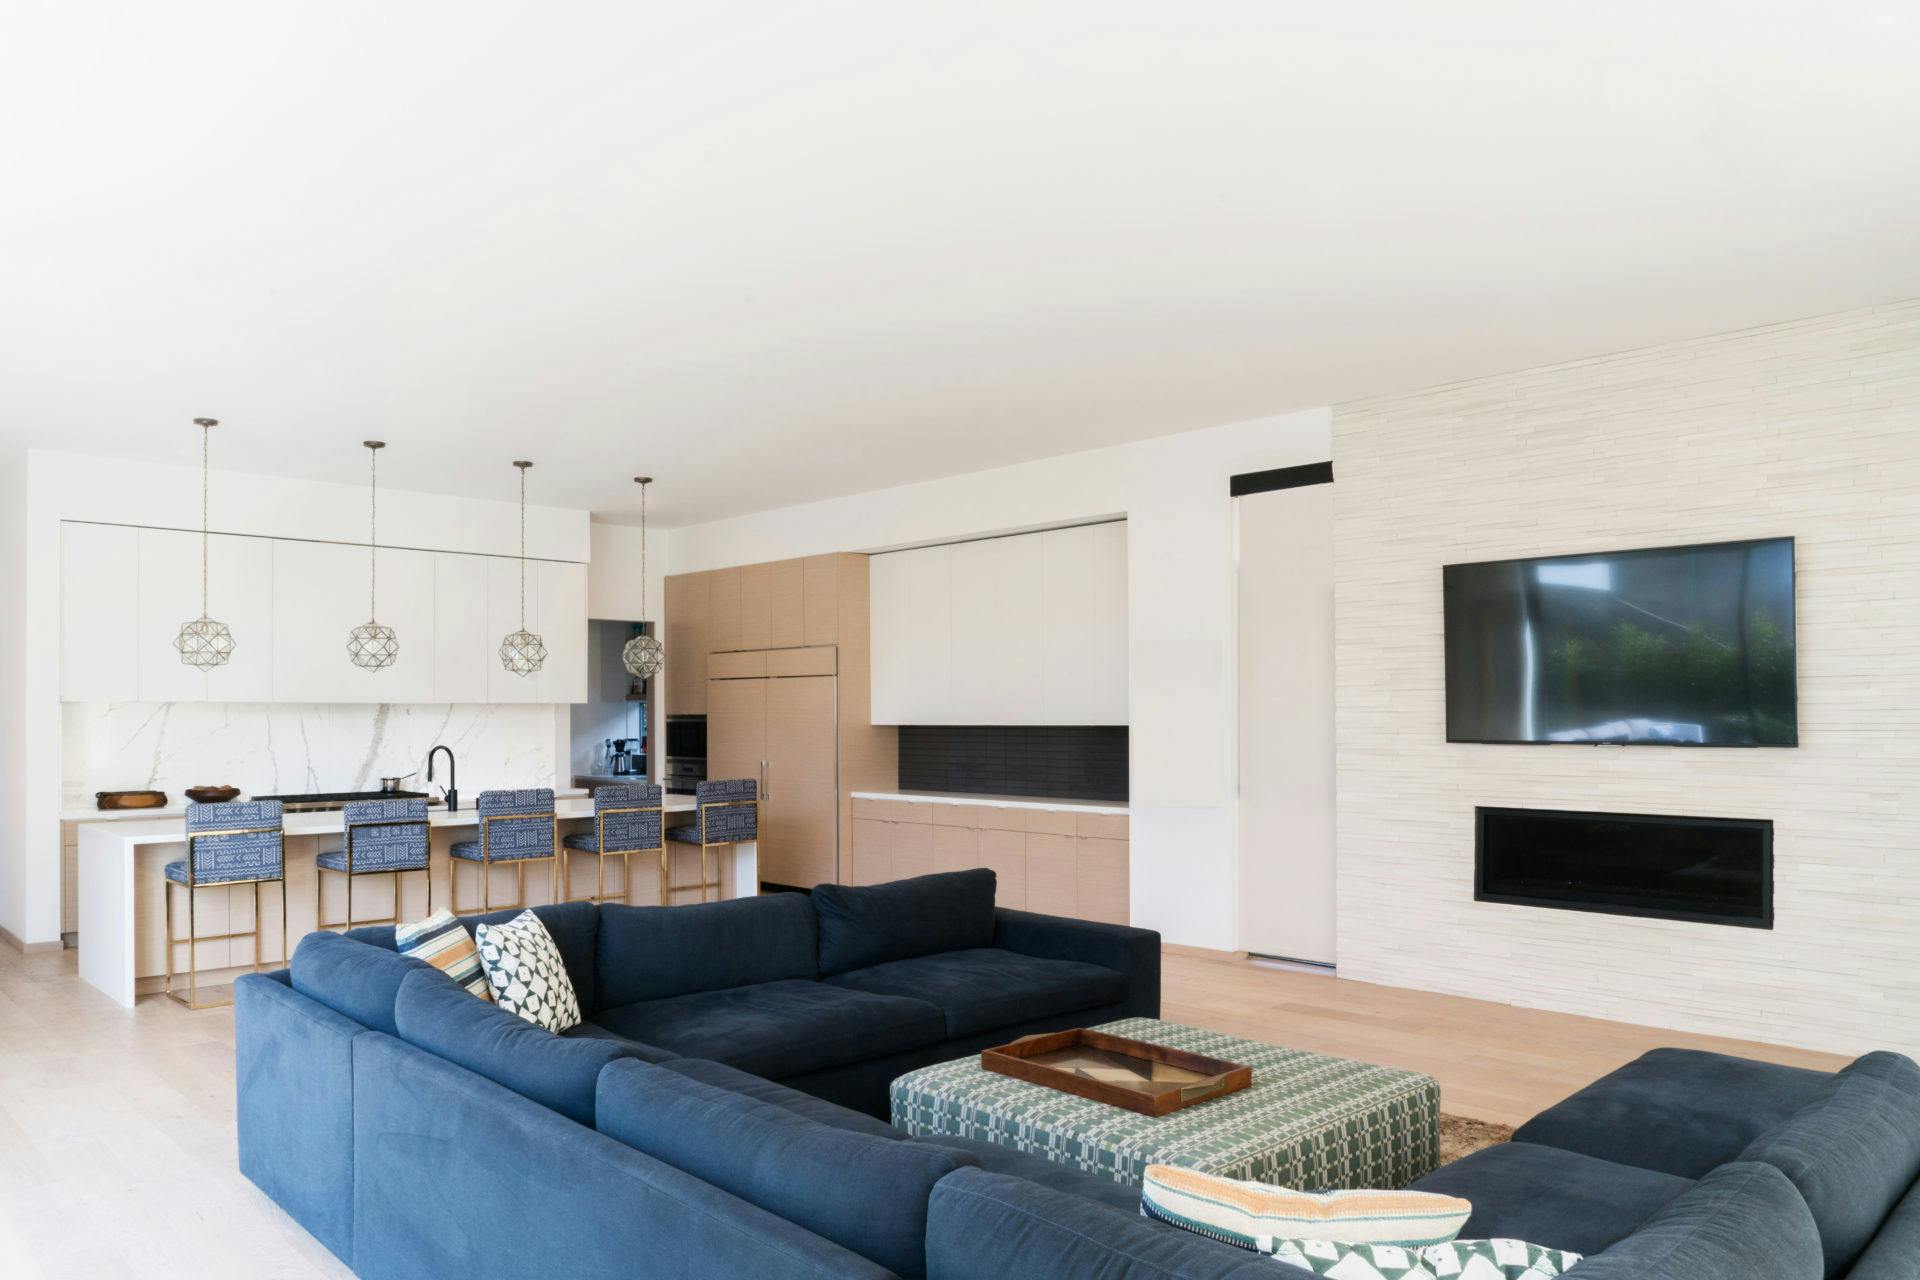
[{"x": 123, "y": 910}]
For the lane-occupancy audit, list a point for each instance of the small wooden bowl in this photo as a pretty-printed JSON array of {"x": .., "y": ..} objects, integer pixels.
[
  {"x": 212, "y": 795},
  {"x": 108, "y": 800}
]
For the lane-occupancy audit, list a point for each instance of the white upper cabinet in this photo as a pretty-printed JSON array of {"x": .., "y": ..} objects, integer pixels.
[
  {"x": 99, "y": 613},
  {"x": 1030, "y": 629},
  {"x": 240, "y": 580},
  {"x": 563, "y": 610},
  {"x": 125, "y": 592},
  {"x": 463, "y": 648},
  {"x": 504, "y": 616},
  {"x": 169, "y": 595}
]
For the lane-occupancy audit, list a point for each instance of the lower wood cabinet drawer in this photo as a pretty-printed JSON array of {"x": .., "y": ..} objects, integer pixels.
[
  {"x": 1005, "y": 854},
  {"x": 955, "y": 848},
  {"x": 1053, "y": 873},
  {"x": 1100, "y": 882}
]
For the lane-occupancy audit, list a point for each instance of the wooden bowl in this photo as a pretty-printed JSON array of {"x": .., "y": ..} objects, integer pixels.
[
  {"x": 129, "y": 799},
  {"x": 212, "y": 795}
]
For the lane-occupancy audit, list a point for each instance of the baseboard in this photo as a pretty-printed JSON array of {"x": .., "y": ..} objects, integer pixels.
[
  {"x": 28, "y": 948},
  {"x": 1200, "y": 953}
]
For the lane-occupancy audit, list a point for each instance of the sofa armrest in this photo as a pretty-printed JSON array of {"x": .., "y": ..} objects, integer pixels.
[
  {"x": 1133, "y": 952},
  {"x": 293, "y": 1085}
]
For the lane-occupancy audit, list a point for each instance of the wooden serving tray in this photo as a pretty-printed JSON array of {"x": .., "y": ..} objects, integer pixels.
[
  {"x": 1149, "y": 1078},
  {"x": 129, "y": 799}
]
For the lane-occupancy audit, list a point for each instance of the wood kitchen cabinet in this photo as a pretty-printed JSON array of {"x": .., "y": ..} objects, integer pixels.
[
  {"x": 688, "y": 643},
  {"x": 776, "y": 657},
  {"x": 1063, "y": 862}
]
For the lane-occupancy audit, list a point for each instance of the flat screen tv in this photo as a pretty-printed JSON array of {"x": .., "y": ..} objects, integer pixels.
[{"x": 1670, "y": 646}]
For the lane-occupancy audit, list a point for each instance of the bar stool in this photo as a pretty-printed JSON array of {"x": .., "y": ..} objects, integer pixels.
[
  {"x": 727, "y": 813},
  {"x": 383, "y": 837},
  {"x": 227, "y": 845},
  {"x": 626, "y": 821},
  {"x": 517, "y": 827}
]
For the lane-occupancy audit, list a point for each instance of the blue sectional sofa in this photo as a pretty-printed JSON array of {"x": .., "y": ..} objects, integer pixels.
[{"x": 717, "y": 1115}]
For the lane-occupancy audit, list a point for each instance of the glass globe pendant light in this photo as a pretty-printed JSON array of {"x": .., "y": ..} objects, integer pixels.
[
  {"x": 204, "y": 643},
  {"x": 644, "y": 653},
  {"x": 522, "y": 652},
  {"x": 371, "y": 646}
]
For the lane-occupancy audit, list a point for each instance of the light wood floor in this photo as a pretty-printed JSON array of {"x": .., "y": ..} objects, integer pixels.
[
  {"x": 117, "y": 1138},
  {"x": 1494, "y": 1061}
]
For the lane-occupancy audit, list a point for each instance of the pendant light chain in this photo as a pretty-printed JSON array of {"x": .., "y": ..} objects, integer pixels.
[
  {"x": 373, "y": 532},
  {"x": 643, "y": 551},
  {"x": 372, "y": 646},
  {"x": 206, "y": 433},
  {"x": 644, "y": 654},
  {"x": 523, "y": 548}
]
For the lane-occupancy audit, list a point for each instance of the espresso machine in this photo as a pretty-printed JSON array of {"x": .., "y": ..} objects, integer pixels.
[{"x": 623, "y": 757}]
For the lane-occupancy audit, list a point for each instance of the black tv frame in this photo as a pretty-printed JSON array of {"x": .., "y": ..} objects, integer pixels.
[{"x": 1793, "y": 552}]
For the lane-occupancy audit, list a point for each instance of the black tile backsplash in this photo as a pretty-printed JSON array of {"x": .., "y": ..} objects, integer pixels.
[{"x": 1062, "y": 762}]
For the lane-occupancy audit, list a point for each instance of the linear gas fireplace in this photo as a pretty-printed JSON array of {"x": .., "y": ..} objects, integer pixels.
[{"x": 1710, "y": 870}]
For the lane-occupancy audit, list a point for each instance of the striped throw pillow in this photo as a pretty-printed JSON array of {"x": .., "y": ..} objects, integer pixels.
[
  {"x": 1254, "y": 1215},
  {"x": 442, "y": 942}
]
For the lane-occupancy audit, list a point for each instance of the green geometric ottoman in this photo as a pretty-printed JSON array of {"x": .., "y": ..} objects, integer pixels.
[{"x": 1307, "y": 1121}]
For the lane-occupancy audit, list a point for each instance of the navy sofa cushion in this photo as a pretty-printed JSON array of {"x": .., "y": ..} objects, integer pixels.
[
  {"x": 722, "y": 1076},
  {"x": 989, "y": 1156},
  {"x": 1680, "y": 1111},
  {"x": 532, "y": 1195},
  {"x": 872, "y": 924},
  {"x": 652, "y": 953},
  {"x": 1896, "y": 1247},
  {"x": 777, "y": 1029},
  {"x": 1133, "y": 952},
  {"x": 575, "y": 927},
  {"x": 1559, "y": 1199},
  {"x": 352, "y": 978},
  {"x": 1740, "y": 1222},
  {"x": 865, "y": 1193},
  {"x": 987, "y": 1226},
  {"x": 1853, "y": 1152},
  {"x": 439, "y": 1015},
  {"x": 984, "y": 987}
]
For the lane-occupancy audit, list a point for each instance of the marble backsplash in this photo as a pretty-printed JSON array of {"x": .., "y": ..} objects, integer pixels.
[{"x": 277, "y": 748}]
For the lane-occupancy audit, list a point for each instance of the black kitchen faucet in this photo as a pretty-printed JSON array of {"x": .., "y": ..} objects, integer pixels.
[{"x": 453, "y": 790}]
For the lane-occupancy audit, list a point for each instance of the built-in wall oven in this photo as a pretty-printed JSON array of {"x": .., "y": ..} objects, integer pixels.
[{"x": 686, "y": 754}]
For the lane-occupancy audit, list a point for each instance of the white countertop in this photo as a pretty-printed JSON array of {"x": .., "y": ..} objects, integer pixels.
[
  {"x": 996, "y": 802},
  {"x": 89, "y": 814},
  {"x": 170, "y": 831}
]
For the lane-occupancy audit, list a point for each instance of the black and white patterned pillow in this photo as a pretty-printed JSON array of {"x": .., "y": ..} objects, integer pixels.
[{"x": 526, "y": 974}]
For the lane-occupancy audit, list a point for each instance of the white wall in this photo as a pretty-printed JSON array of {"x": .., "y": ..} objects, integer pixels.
[
  {"x": 13, "y": 692},
  {"x": 1173, "y": 491},
  {"x": 613, "y": 577},
  {"x": 1809, "y": 429},
  {"x": 54, "y": 486}
]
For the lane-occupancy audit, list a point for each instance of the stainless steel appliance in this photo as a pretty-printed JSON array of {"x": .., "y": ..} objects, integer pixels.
[
  {"x": 686, "y": 754},
  {"x": 622, "y": 759}
]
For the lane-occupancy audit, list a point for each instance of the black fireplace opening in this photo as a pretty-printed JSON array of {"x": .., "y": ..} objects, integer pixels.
[{"x": 1708, "y": 870}]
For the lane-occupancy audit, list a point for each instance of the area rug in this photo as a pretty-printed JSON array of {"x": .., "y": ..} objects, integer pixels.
[{"x": 1461, "y": 1136}]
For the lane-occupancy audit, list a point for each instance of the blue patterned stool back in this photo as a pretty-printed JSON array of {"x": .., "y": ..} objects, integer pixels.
[
  {"x": 629, "y": 832},
  {"x": 517, "y": 840},
  {"x": 234, "y": 841},
  {"x": 724, "y": 818},
  {"x": 388, "y": 848}
]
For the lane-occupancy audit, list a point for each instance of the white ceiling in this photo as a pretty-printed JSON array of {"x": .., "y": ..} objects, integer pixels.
[{"x": 772, "y": 252}]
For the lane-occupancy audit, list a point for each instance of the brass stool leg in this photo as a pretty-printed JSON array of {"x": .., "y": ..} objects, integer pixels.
[
  {"x": 167, "y": 886},
  {"x": 193, "y": 952}
]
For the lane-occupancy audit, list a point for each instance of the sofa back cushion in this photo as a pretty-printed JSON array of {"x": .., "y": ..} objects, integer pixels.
[
  {"x": 872, "y": 924},
  {"x": 988, "y": 1224},
  {"x": 1852, "y": 1152},
  {"x": 351, "y": 977},
  {"x": 1741, "y": 1221},
  {"x": 651, "y": 953},
  {"x": 574, "y": 927},
  {"x": 433, "y": 1012},
  {"x": 863, "y": 1192}
]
